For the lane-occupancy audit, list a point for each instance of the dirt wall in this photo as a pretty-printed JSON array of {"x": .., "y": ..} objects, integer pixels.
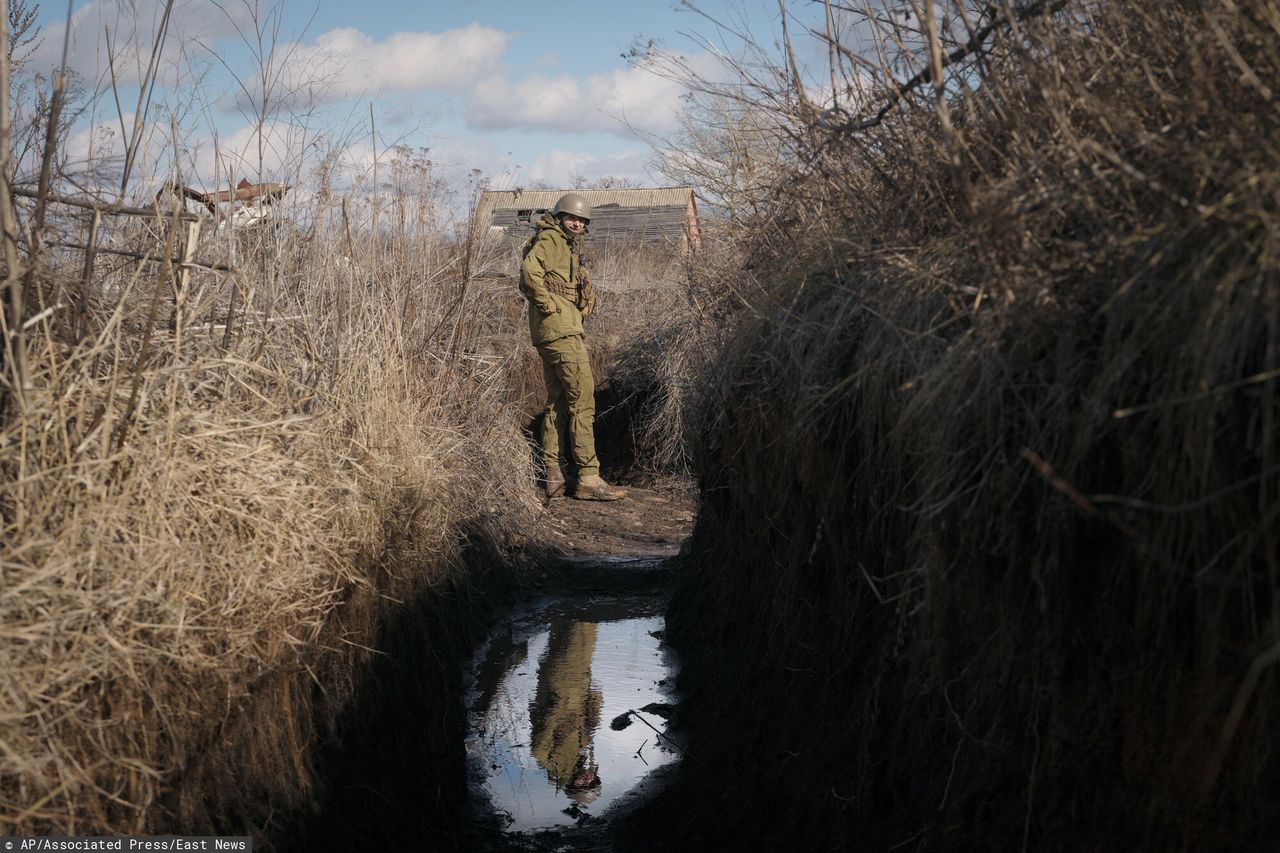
[{"x": 360, "y": 741}]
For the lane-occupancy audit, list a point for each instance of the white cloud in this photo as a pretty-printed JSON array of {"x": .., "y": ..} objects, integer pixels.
[
  {"x": 611, "y": 102},
  {"x": 338, "y": 65},
  {"x": 347, "y": 63},
  {"x": 133, "y": 26}
]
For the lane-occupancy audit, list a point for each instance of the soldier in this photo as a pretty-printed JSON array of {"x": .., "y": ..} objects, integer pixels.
[
  {"x": 560, "y": 296},
  {"x": 564, "y": 713}
]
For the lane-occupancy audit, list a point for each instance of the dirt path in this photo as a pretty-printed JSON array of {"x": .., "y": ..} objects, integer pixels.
[{"x": 646, "y": 523}]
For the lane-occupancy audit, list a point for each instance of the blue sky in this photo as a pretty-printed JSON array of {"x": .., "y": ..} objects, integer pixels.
[{"x": 521, "y": 91}]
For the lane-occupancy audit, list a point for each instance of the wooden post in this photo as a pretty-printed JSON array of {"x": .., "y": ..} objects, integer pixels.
[
  {"x": 189, "y": 245},
  {"x": 86, "y": 279},
  {"x": 182, "y": 275},
  {"x": 15, "y": 344}
]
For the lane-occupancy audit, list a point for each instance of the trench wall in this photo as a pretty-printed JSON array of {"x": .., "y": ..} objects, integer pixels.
[
  {"x": 987, "y": 549},
  {"x": 360, "y": 742}
]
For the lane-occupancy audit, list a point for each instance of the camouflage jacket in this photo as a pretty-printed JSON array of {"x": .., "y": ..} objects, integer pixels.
[{"x": 557, "y": 287}]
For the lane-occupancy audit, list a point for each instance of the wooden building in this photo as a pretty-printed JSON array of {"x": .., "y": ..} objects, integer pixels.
[{"x": 659, "y": 215}]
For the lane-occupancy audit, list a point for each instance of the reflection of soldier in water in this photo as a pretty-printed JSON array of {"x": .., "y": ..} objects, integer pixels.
[{"x": 565, "y": 711}]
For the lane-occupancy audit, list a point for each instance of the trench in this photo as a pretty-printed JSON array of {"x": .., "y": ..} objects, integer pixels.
[
  {"x": 527, "y": 714},
  {"x": 528, "y": 705},
  {"x": 569, "y": 703}
]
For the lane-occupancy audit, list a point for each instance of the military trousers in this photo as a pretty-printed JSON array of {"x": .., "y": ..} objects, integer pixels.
[{"x": 568, "y": 421}]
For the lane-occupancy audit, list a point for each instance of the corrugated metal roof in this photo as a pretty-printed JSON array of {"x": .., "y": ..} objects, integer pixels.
[
  {"x": 656, "y": 213},
  {"x": 492, "y": 201}
]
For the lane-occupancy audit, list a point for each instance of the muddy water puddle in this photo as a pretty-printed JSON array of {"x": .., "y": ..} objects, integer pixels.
[{"x": 568, "y": 711}]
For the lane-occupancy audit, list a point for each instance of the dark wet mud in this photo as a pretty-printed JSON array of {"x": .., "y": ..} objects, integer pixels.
[
  {"x": 529, "y": 715},
  {"x": 568, "y": 711}
]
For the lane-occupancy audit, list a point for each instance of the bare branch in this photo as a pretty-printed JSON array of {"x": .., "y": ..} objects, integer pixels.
[
  {"x": 98, "y": 207},
  {"x": 145, "y": 91},
  {"x": 975, "y": 44},
  {"x": 177, "y": 260}
]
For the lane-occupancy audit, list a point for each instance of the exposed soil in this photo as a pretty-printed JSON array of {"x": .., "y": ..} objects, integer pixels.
[
  {"x": 591, "y": 549},
  {"x": 599, "y": 552},
  {"x": 645, "y": 523}
]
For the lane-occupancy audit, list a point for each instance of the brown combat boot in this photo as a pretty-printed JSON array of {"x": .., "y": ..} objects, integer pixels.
[
  {"x": 592, "y": 488},
  {"x": 554, "y": 484}
]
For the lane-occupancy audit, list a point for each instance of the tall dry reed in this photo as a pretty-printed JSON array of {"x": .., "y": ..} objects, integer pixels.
[
  {"x": 989, "y": 462},
  {"x": 209, "y": 511}
]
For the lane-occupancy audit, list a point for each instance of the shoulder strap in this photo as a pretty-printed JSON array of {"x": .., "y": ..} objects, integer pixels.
[{"x": 528, "y": 245}]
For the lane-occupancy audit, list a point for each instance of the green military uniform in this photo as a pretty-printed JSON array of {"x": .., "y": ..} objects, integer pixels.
[
  {"x": 565, "y": 711},
  {"x": 559, "y": 297}
]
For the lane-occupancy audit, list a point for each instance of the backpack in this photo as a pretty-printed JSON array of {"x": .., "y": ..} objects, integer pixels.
[{"x": 524, "y": 253}]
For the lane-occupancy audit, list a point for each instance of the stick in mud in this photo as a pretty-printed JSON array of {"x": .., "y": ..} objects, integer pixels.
[{"x": 680, "y": 749}]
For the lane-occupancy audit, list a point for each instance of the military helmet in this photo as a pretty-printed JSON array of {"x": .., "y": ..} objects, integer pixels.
[{"x": 572, "y": 203}]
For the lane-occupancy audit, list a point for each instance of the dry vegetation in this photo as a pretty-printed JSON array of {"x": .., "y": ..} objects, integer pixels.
[
  {"x": 981, "y": 393},
  {"x": 989, "y": 459},
  {"x": 216, "y": 490},
  {"x": 239, "y": 468}
]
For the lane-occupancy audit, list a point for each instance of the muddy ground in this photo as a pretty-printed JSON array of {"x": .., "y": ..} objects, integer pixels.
[
  {"x": 399, "y": 759},
  {"x": 646, "y": 523},
  {"x": 596, "y": 552}
]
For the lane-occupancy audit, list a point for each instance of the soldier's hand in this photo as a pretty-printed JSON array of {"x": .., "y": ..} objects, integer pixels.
[
  {"x": 548, "y": 309},
  {"x": 586, "y": 294}
]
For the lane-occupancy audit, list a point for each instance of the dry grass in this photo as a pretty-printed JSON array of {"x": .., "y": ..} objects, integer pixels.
[
  {"x": 660, "y": 358},
  {"x": 992, "y": 451},
  {"x": 221, "y": 486},
  {"x": 200, "y": 541}
]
